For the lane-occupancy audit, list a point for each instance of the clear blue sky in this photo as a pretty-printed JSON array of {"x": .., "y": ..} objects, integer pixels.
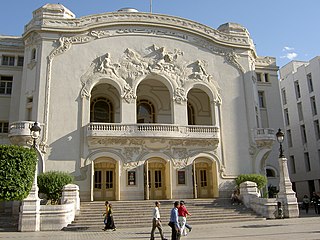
[{"x": 285, "y": 29}]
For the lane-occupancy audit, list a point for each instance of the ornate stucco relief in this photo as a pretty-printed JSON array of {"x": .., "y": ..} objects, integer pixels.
[
  {"x": 118, "y": 18},
  {"x": 154, "y": 60}
]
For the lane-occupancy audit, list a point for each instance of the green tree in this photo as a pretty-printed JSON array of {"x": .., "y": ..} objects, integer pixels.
[
  {"x": 17, "y": 170},
  {"x": 51, "y": 184},
  {"x": 260, "y": 180}
]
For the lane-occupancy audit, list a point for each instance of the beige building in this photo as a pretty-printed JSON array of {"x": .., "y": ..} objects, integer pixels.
[
  {"x": 139, "y": 105},
  {"x": 300, "y": 87}
]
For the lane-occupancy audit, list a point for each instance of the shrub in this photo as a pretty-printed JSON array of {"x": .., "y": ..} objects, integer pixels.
[
  {"x": 260, "y": 180},
  {"x": 17, "y": 170},
  {"x": 52, "y": 183}
]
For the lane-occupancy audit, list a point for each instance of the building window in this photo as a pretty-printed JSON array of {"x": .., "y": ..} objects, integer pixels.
[
  {"x": 284, "y": 96},
  {"x": 20, "y": 61},
  {"x": 6, "y": 84},
  {"x": 262, "y": 103},
  {"x": 7, "y": 60},
  {"x": 313, "y": 106},
  {"x": 300, "y": 113},
  {"x": 145, "y": 112},
  {"x": 307, "y": 161},
  {"x": 297, "y": 89},
  {"x": 289, "y": 138},
  {"x": 157, "y": 179},
  {"x": 4, "y": 127},
  {"x": 303, "y": 133},
  {"x": 97, "y": 179},
  {"x": 101, "y": 110},
  {"x": 131, "y": 178},
  {"x": 292, "y": 164},
  {"x": 203, "y": 178},
  {"x": 259, "y": 77},
  {"x": 109, "y": 179},
  {"x": 286, "y": 116},
  {"x": 270, "y": 173},
  {"x": 317, "y": 129},
  {"x": 266, "y": 77},
  {"x": 33, "y": 54},
  {"x": 310, "y": 84}
]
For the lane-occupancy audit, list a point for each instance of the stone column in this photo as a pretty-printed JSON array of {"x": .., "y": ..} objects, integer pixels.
[
  {"x": 29, "y": 216},
  {"x": 286, "y": 195}
]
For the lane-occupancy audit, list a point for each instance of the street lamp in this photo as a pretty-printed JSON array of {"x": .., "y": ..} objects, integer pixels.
[
  {"x": 35, "y": 133},
  {"x": 280, "y": 138}
]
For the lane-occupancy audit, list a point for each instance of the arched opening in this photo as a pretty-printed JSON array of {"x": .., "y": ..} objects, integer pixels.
[
  {"x": 153, "y": 102},
  {"x": 155, "y": 179},
  {"x": 199, "y": 108},
  {"x": 101, "y": 110},
  {"x": 205, "y": 178},
  {"x": 105, "y": 179},
  {"x": 104, "y": 104}
]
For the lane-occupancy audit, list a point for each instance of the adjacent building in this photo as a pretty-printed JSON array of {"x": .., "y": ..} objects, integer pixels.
[
  {"x": 300, "y": 88},
  {"x": 140, "y": 105}
]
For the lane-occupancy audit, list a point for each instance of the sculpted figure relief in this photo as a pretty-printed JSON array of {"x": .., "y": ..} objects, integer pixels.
[
  {"x": 199, "y": 72},
  {"x": 106, "y": 67}
]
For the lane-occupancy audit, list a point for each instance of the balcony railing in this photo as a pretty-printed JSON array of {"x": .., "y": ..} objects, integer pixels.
[
  {"x": 151, "y": 130},
  {"x": 264, "y": 136},
  {"x": 21, "y": 128}
]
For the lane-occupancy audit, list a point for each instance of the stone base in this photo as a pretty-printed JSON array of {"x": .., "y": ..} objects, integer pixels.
[{"x": 29, "y": 217}]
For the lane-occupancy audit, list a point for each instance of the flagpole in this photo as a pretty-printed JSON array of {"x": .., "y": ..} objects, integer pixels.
[{"x": 150, "y": 6}]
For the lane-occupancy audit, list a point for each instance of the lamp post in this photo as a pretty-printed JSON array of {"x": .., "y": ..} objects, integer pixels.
[
  {"x": 35, "y": 133},
  {"x": 29, "y": 215},
  {"x": 280, "y": 138},
  {"x": 286, "y": 195}
]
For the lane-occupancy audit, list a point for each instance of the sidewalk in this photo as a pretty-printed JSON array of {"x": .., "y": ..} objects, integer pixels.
[{"x": 303, "y": 228}]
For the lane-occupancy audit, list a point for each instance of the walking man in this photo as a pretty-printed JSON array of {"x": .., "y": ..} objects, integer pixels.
[
  {"x": 156, "y": 222},
  {"x": 174, "y": 223}
]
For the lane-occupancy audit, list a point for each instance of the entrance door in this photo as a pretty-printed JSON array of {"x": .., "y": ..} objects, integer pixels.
[
  {"x": 203, "y": 180},
  {"x": 104, "y": 181},
  {"x": 156, "y": 180}
]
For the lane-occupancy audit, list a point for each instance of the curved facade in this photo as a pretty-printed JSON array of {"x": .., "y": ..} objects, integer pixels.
[{"x": 145, "y": 106}]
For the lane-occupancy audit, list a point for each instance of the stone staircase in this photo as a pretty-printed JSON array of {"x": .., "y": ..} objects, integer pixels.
[{"x": 139, "y": 213}]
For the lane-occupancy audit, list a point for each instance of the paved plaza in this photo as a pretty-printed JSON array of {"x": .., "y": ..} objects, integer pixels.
[{"x": 303, "y": 228}]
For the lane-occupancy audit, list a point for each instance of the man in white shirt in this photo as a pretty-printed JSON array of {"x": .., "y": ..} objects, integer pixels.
[{"x": 156, "y": 222}]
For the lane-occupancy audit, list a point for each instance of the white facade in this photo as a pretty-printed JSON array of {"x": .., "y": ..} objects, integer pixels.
[
  {"x": 300, "y": 87},
  {"x": 144, "y": 106}
]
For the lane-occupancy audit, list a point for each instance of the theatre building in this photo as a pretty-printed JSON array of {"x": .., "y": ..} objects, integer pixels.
[{"x": 140, "y": 105}]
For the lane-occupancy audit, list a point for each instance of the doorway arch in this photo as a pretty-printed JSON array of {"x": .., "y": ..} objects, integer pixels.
[
  {"x": 205, "y": 178},
  {"x": 105, "y": 179}
]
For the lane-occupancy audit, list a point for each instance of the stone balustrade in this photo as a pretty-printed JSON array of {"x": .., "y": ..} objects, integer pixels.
[{"x": 152, "y": 130}]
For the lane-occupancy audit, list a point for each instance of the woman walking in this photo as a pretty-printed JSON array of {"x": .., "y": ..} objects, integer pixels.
[{"x": 109, "y": 222}]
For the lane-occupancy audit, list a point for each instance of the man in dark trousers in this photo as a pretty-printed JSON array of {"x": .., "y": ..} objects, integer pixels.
[
  {"x": 174, "y": 223},
  {"x": 156, "y": 222}
]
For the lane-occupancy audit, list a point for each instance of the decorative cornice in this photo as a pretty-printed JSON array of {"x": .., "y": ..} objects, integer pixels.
[{"x": 115, "y": 19}]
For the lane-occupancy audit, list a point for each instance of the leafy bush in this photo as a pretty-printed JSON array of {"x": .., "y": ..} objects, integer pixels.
[
  {"x": 17, "y": 170},
  {"x": 52, "y": 183},
  {"x": 260, "y": 180}
]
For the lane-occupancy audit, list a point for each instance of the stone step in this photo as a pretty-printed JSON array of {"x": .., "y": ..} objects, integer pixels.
[{"x": 139, "y": 213}]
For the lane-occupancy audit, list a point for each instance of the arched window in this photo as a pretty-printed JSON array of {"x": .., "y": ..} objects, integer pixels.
[
  {"x": 101, "y": 110},
  {"x": 33, "y": 54},
  {"x": 191, "y": 117},
  {"x": 145, "y": 112},
  {"x": 270, "y": 173}
]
